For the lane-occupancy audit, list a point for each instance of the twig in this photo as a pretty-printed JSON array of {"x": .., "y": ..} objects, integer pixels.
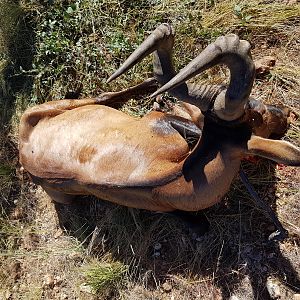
[{"x": 281, "y": 233}]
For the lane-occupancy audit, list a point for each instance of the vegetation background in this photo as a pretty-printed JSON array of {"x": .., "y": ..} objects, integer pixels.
[{"x": 95, "y": 250}]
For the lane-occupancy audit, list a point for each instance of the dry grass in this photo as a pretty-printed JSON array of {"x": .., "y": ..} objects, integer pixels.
[
  {"x": 46, "y": 250},
  {"x": 257, "y": 15}
]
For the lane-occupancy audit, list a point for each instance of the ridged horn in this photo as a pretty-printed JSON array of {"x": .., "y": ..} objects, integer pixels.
[
  {"x": 235, "y": 54},
  {"x": 157, "y": 39}
]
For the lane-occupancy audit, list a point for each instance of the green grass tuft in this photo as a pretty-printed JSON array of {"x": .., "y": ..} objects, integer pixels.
[{"x": 105, "y": 276}]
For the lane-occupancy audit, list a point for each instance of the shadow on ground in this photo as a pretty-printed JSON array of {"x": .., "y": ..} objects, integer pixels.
[
  {"x": 18, "y": 57},
  {"x": 17, "y": 36},
  {"x": 236, "y": 246}
]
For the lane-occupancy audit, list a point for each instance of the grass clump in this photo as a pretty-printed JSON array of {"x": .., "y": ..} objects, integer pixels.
[{"x": 105, "y": 276}]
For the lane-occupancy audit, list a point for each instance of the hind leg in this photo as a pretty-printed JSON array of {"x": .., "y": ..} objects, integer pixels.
[{"x": 59, "y": 197}]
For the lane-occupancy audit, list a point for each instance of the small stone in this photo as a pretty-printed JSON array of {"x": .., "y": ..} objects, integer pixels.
[
  {"x": 273, "y": 288},
  {"x": 156, "y": 106},
  {"x": 167, "y": 287},
  {"x": 156, "y": 254},
  {"x": 296, "y": 296},
  {"x": 58, "y": 280},
  {"x": 157, "y": 246},
  {"x": 86, "y": 288},
  {"x": 264, "y": 269},
  {"x": 271, "y": 255},
  {"x": 49, "y": 281},
  {"x": 58, "y": 233},
  {"x": 293, "y": 117},
  {"x": 159, "y": 98}
]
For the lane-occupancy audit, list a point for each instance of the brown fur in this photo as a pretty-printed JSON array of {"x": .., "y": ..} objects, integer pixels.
[{"x": 73, "y": 147}]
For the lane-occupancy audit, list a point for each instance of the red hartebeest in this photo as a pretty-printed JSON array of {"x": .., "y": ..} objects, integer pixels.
[{"x": 85, "y": 147}]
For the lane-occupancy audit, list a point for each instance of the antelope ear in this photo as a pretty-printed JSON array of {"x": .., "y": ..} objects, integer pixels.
[{"x": 280, "y": 151}]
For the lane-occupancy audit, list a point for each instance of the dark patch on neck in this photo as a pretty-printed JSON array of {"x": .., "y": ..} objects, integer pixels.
[
  {"x": 216, "y": 140},
  {"x": 218, "y": 133}
]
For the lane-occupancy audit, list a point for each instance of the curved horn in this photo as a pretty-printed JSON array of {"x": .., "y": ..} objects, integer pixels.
[
  {"x": 235, "y": 54},
  {"x": 161, "y": 42},
  {"x": 161, "y": 39}
]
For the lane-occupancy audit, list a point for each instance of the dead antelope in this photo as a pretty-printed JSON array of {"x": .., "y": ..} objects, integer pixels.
[{"x": 85, "y": 147}]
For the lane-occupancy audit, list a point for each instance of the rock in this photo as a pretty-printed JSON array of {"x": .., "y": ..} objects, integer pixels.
[
  {"x": 264, "y": 269},
  {"x": 86, "y": 288},
  {"x": 49, "y": 281},
  {"x": 167, "y": 287},
  {"x": 156, "y": 106},
  {"x": 157, "y": 246},
  {"x": 273, "y": 288},
  {"x": 58, "y": 233},
  {"x": 58, "y": 280},
  {"x": 156, "y": 254},
  {"x": 15, "y": 288}
]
